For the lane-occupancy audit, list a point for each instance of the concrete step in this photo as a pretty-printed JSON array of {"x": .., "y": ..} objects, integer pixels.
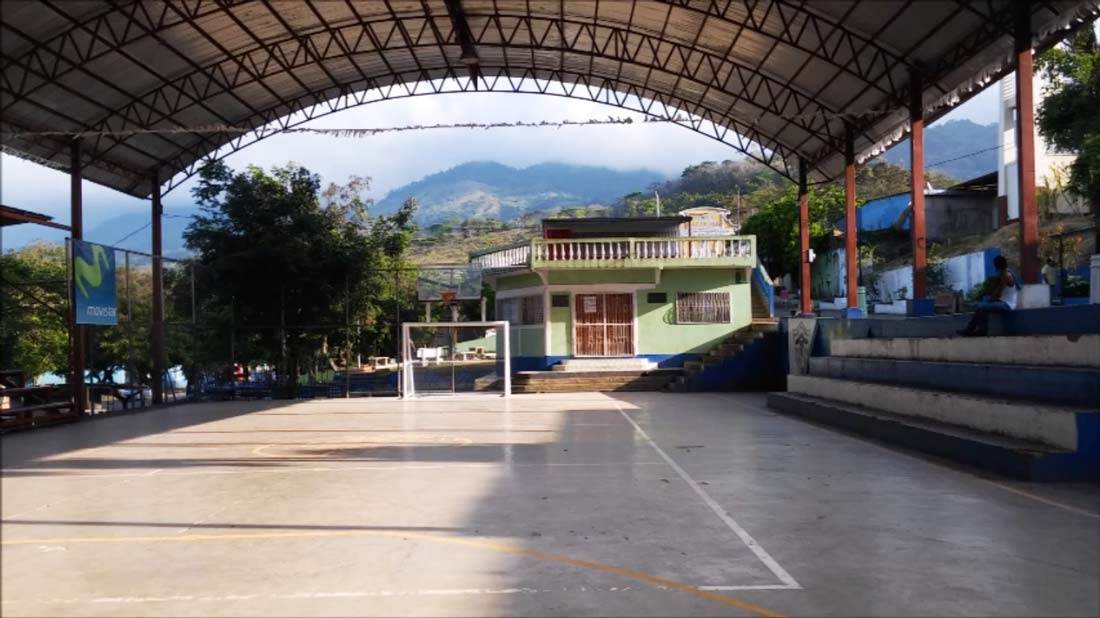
[
  {"x": 568, "y": 375},
  {"x": 765, "y": 325},
  {"x": 605, "y": 364},
  {"x": 1058, "y": 350},
  {"x": 1068, "y": 386},
  {"x": 1016, "y": 458},
  {"x": 1061, "y": 427}
]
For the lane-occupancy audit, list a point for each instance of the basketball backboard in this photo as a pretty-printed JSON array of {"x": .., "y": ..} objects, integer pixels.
[{"x": 448, "y": 282}]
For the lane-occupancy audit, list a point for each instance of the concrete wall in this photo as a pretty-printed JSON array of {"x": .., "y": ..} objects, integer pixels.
[
  {"x": 954, "y": 215},
  {"x": 963, "y": 273},
  {"x": 561, "y": 331},
  {"x": 659, "y": 337},
  {"x": 1049, "y": 163},
  {"x": 659, "y": 334},
  {"x": 527, "y": 341},
  {"x": 601, "y": 277}
]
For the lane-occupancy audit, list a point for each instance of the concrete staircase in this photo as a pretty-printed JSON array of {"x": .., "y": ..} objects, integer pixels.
[
  {"x": 563, "y": 381},
  {"x": 581, "y": 365},
  {"x": 1025, "y": 406},
  {"x": 702, "y": 374}
]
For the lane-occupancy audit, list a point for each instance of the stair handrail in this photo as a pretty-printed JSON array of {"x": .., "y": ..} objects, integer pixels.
[{"x": 763, "y": 280}]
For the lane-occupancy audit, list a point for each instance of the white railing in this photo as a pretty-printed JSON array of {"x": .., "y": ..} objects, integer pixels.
[
  {"x": 512, "y": 256},
  {"x": 618, "y": 249}
]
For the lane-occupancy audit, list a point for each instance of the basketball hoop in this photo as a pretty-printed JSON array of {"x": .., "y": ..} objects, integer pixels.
[{"x": 448, "y": 296}]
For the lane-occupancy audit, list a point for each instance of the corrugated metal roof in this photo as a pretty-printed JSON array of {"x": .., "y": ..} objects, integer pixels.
[{"x": 772, "y": 78}]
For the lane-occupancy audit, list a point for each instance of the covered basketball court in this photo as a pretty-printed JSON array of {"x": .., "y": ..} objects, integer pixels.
[
  {"x": 618, "y": 505},
  {"x": 639, "y": 504},
  {"x": 138, "y": 96}
]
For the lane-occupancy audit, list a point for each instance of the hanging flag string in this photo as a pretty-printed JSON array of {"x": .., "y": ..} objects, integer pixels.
[{"x": 372, "y": 131}]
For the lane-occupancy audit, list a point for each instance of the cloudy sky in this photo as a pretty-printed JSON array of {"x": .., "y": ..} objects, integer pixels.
[{"x": 392, "y": 160}]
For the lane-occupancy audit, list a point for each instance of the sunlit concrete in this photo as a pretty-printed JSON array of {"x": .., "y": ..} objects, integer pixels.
[{"x": 586, "y": 504}]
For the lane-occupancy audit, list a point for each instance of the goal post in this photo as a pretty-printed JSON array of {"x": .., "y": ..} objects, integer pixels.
[{"x": 455, "y": 357}]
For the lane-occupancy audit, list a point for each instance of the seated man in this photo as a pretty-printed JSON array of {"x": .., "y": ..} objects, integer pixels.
[{"x": 1001, "y": 299}]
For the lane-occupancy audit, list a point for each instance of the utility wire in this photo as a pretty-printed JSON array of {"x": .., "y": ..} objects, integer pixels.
[
  {"x": 965, "y": 156},
  {"x": 127, "y": 237}
]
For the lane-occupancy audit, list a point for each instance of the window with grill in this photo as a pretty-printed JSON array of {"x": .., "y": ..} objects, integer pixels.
[
  {"x": 532, "y": 310},
  {"x": 521, "y": 311},
  {"x": 702, "y": 308},
  {"x": 508, "y": 309}
]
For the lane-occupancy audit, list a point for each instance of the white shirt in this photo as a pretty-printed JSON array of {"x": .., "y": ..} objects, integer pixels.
[{"x": 1008, "y": 294}]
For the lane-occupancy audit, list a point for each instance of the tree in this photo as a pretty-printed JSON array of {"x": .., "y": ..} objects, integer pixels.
[
  {"x": 285, "y": 263},
  {"x": 776, "y": 226},
  {"x": 34, "y": 334},
  {"x": 1069, "y": 115}
]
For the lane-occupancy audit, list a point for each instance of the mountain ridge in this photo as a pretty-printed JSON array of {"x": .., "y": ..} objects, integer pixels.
[{"x": 488, "y": 189}]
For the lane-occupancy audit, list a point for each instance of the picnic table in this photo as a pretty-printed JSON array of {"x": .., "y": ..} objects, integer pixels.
[
  {"x": 377, "y": 362},
  {"x": 125, "y": 393}
]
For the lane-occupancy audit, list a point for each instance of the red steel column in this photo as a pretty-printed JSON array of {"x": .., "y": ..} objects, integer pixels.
[
  {"x": 76, "y": 224},
  {"x": 158, "y": 297},
  {"x": 851, "y": 255},
  {"x": 916, "y": 152},
  {"x": 804, "y": 236},
  {"x": 1025, "y": 147}
]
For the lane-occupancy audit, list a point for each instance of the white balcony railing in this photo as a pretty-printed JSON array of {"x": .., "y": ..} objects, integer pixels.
[
  {"x": 503, "y": 258},
  {"x": 643, "y": 249},
  {"x": 582, "y": 252}
]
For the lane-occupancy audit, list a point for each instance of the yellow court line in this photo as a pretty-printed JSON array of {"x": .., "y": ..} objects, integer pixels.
[{"x": 520, "y": 551}]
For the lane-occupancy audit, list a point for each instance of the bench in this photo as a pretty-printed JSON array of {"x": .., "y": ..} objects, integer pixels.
[{"x": 37, "y": 415}]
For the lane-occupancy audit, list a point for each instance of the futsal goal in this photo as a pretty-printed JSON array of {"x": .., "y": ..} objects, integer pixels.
[{"x": 455, "y": 358}]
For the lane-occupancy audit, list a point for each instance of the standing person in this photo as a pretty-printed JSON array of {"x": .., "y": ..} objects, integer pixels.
[
  {"x": 1049, "y": 272},
  {"x": 1002, "y": 299}
]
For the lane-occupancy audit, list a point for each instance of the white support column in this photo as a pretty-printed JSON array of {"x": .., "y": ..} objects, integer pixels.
[
  {"x": 427, "y": 312},
  {"x": 483, "y": 303}
]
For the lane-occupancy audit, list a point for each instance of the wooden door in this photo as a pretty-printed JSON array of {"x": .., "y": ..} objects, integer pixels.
[{"x": 603, "y": 325}]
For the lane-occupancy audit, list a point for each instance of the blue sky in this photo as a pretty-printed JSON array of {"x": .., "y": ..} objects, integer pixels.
[{"x": 394, "y": 159}]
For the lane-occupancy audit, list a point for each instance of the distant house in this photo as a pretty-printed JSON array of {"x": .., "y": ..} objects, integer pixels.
[{"x": 664, "y": 289}]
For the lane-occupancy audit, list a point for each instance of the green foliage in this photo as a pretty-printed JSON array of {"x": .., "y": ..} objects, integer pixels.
[
  {"x": 776, "y": 226},
  {"x": 1069, "y": 115},
  {"x": 878, "y": 178},
  {"x": 33, "y": 324},
  {"x": 278, "y": 257}
]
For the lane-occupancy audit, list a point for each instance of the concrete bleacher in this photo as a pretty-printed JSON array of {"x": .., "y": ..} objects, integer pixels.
[{"x": 1026, "y": 405}]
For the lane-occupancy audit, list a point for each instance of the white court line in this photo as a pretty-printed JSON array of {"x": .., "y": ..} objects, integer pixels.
[
  {"x": 1020, "y": 492},
  {"x": 785, "y": 577},
  {"x": 353, "y": 594}
]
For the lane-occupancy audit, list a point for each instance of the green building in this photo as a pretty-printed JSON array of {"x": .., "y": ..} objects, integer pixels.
[{"x": 663, "y": 290}]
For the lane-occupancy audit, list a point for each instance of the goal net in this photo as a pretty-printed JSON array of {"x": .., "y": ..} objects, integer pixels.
[{"x": 447, "y": 358}]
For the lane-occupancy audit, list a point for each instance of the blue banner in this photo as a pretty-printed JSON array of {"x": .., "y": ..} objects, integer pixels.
[{"x": 94, "y": 284}]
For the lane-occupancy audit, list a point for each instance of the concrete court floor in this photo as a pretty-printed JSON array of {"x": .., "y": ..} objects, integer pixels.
[{"x": 631, "y": 504}]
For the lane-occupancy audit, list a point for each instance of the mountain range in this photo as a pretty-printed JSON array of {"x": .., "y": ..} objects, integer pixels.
[
  {"x": 487, "y": 189},
  {"x": 959, "y": 148}
]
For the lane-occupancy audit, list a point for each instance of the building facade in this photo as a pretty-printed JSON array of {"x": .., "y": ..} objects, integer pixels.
[{"x": 650, "y": 288}]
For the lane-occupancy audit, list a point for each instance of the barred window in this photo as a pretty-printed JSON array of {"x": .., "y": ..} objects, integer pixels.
[
  {"x": 702, "y": 308},
  {"x": 532, "y": 310},
  {"x": 524, "y": 310},
  {"x": 508, "y": 309}
]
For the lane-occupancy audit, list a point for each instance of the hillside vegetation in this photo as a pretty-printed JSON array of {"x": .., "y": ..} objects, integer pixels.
[{"x": 490, "y": 190}]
